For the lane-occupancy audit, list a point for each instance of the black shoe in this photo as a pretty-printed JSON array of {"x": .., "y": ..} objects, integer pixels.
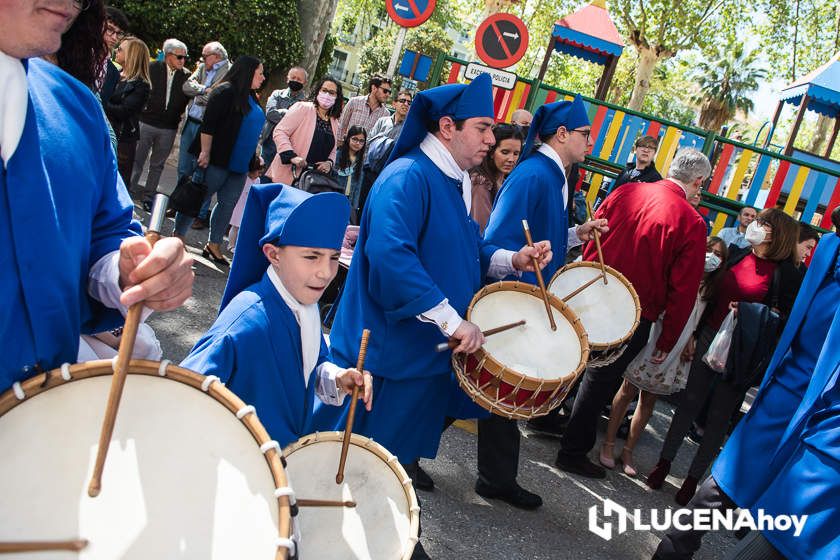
[
  {"x": 516, "y": 496},
  {"x": 419, "y": 553},
  {"x": 550, "y": 425},
  {"x": 579, "y": 464},
  {"x": 419, "y": 478}
]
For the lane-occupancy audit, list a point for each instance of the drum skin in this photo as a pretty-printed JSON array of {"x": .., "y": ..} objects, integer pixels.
[
  {"x": 184, "y": 478},
  {"x": 385, "y": 522},
  {"x": 526, "y": 371}
]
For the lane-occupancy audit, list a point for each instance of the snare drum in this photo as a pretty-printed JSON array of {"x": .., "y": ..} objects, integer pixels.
[
  {"x": 190, "y": 474},
  {"x": 384, "y": 524},
  {"x": 526, "y": 371},
  {"x": 609, "y": 312}
]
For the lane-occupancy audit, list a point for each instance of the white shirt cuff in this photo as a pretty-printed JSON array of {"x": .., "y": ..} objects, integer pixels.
[
  {"x": 444, "y": 316},
  {"x": 501, "y": 264},
  {"x": 104, "y": 284},
  {"x": 327, "y": 388},
  {"x": 573, "y": 240}
]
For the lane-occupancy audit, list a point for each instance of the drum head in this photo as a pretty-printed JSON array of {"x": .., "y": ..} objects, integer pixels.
[
  {"x": 533, "y": 349},
  {"x": 609, "y": 312},
  {"x": 183, "y": 478},
  {"x": 385, "y": 521}
]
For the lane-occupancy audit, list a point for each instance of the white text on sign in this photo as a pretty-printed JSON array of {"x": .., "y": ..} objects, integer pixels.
[{"x": 502, "y": 79}]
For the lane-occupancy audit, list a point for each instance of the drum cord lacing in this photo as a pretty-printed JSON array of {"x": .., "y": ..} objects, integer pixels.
[
  {"x": 65, "y": 372},
  {"x": 162, "y": 367},
  {"x": 273, "y": 444},
  {"x": 205, "y": 385},
  {"x": 288, "y": 492},
  {"x": 288, "y": 544},
  {"x": 245, "y": 411}
]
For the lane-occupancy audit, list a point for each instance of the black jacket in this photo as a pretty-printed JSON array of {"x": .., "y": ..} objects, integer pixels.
[
  {"x": 648, "y": 175},
  {"x": 124, "y": 106},
  {"x": 109, "y": 82},
  {"x": 156, "y": 113},
  {"x": 222, "y": 121}
]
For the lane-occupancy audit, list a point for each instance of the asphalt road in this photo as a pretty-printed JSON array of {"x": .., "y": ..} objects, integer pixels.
[{"x": 459, "y": 524}]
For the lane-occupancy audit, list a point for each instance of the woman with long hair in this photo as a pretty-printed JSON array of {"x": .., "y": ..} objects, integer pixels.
[
  {"x": 225, "y": 146},
  {"x": 349, "y": 159},
  {"x": 648, "y": 380},
  {"x": 307, "y": 134},
  {"x": 765, "y": 272},
  {"x": 82, "y": 46},
  {"x": 487, "y": 178},
  {"x": 125, "y": 104}
]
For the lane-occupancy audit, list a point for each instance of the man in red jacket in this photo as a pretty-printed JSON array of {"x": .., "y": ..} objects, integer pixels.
[{"x": 658, "y": 241}]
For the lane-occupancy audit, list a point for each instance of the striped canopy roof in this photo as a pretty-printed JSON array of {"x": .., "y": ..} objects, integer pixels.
[
  {"x": 589, "y": 33},
  {"x": 822, "y": 87}
]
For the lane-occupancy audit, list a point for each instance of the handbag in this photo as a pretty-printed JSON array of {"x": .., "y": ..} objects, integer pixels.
[
  {"x": 313, "y": 181},
  {"x": 189, "y": 194},
  {"x": 718, "y": 352}
]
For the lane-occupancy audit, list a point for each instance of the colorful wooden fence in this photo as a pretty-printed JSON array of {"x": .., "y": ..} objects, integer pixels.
[{"x": 741, "y": 174}]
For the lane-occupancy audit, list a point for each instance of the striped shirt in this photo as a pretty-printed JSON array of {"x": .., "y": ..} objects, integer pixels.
[{"x": 358, "y": 112}]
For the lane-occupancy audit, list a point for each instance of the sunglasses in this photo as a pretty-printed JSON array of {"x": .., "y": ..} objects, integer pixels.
[
  {"x": 404, "y": 101},
  {"x": 180, "y": 56},
  {"x": 387, "y": 91}
]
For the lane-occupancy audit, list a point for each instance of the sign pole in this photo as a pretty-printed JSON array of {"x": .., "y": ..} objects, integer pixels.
[{"x": 395, "y": 54}]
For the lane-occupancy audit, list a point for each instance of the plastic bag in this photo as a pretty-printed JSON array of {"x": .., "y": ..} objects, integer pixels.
[{"x": 718, "y": 352}]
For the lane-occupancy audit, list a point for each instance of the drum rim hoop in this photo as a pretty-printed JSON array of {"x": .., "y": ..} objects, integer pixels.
[
  {"x": 604, "y": 346},
  {"x": 43, "y": 382}
]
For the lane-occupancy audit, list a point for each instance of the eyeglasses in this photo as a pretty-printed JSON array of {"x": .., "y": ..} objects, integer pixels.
[
  {"x": 118, "y": 33},
  {"x": 586, "y": 133},
  {"x": 357, "y": 140},
  {"x": 332, "y": 92},
  {"x": 180, "y": 56},
  {"x": 81, "y": 5},
  {"x": 386, "y": 90},
  {"x": 404, "y": 101}
]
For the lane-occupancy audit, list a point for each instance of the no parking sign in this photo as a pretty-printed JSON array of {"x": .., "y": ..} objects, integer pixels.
[
  {"x": 501, "y": 40},
  {"x": 410, "y": 13}
]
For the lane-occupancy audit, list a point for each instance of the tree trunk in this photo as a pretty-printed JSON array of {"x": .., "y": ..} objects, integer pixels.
[
  {"x": 644, "y": 72},
  {"x": 820, "y": 134},
  {"x": 316, "y": 16}
]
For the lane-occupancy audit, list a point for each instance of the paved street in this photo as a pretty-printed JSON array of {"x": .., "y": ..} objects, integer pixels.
[{"x": 457, "y": 523}]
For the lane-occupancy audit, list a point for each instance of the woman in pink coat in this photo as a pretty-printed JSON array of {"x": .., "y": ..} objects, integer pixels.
[{"x": 307, "y": 134}]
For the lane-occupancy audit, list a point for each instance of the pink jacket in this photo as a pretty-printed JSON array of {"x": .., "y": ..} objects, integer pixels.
[{"x": 295, "y": 133}]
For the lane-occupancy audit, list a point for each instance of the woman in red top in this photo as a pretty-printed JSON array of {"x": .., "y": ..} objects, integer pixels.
[
  {"x": 750, "y": 276},
  {"x": 488, "y": 177}
]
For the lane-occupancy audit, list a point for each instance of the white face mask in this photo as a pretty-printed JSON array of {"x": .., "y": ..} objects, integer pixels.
[
  {"x": 712, "y": 262},
  {"x": 755, "y": 234}
]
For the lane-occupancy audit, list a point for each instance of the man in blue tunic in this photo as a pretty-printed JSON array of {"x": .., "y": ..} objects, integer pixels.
[
  {"x": 417, "y": 264},
  {"x": 784, "y": 455},
  {"x": 266, "y": 345},
  {"x": 72, "y": 258}
]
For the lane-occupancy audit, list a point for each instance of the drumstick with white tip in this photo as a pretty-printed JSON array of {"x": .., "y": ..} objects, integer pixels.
[
  {"x": 452, "y": 343},
  {"x": 538, "y": 272},
  {"x": 597, "y": 235},
  {"x": 129, "y": 334},
  {"x": 351, "y": 414},
  {"x": 42, "y": 546},
  {"x": 325, "y": 503}
]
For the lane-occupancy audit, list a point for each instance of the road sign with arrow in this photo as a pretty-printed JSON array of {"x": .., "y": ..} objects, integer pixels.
[
  {"x": 501, "y": 40},
  {"x": 410, "y": 13}
]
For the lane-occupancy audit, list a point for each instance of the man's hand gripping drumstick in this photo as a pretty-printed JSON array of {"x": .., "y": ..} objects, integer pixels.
[{"x": 160, "y": 277}]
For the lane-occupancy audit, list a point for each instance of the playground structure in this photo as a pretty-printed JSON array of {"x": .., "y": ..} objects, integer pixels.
[{"x": 806, "y": 186}]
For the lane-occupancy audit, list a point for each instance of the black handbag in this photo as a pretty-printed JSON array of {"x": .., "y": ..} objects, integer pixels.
[
  {"x": 189, "y": 195},
  {"x": 314, "y": 182}
]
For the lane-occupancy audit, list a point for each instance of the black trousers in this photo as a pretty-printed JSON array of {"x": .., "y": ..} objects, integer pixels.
[
  {"x": 598, "y": 387},
  {"x": 498, "y": 451}
]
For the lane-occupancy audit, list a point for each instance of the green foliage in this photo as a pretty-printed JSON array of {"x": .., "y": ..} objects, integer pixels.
[
  {"x": 326, "y": 57},
  {"x": 268, "y": 29}
]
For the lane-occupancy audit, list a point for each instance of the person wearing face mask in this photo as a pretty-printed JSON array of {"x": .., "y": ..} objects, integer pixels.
[
  {"x": 278, "y": 104},
  {"x": 488, "y": 177},
  {"x": 650, "y": 380},
  {"x": 765, "y": 273},
  {"x": 307, "y": 134}
]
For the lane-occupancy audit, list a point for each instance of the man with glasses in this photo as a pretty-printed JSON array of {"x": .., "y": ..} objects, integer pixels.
[
  {"x": 159, "y": 119},
  {"x": 535, "y": 190},
  {"x": 365, "y": 110},
  {"x": 116, "y": 25},
  {"x": 392, "y": 124},
  {"x": 72, "y": 256}
]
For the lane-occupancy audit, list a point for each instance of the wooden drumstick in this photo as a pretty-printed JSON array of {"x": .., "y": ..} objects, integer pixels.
[
  {"x": 538, "y": 272},
  {"x": 129, "y": 334},
  {"x": 351, "y": 414},
  {"x": 42, "y": 546},
  {"x": 325, "y": 503},
  {"x": 597, "y": 235},
  {"x": 452, "y": 343},
  {"x": 579, "y": 290}
]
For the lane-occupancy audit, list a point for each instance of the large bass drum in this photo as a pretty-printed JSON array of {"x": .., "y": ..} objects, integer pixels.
[{"x": 191, "y": 473}]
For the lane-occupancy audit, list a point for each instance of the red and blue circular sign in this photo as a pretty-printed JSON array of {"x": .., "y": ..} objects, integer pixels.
[
  {"x": 410, "y": 13},
  {"x": 501, "y": 40}
]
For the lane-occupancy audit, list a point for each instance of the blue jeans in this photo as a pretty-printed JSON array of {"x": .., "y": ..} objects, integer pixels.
[
  {"x": 187, "y": 161},
  {"x": 227, "y": 186}
]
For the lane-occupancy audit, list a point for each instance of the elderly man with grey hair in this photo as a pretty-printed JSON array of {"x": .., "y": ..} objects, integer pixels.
[
  {"x": 160, "y": 118},
  {"x": 212, "y": 68},
  {"x": 657, "y": 240},
  {"x": 278, "y": 104}
]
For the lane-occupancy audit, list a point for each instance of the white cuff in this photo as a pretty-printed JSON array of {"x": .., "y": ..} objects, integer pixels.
[
  {"x": 444, "y": 316},
  {"x": 104, "y": 284},
  {"x": 327, "y": 388},
  {"x": 573, "y": 240},
  {"x": 501, "y": 264}
]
